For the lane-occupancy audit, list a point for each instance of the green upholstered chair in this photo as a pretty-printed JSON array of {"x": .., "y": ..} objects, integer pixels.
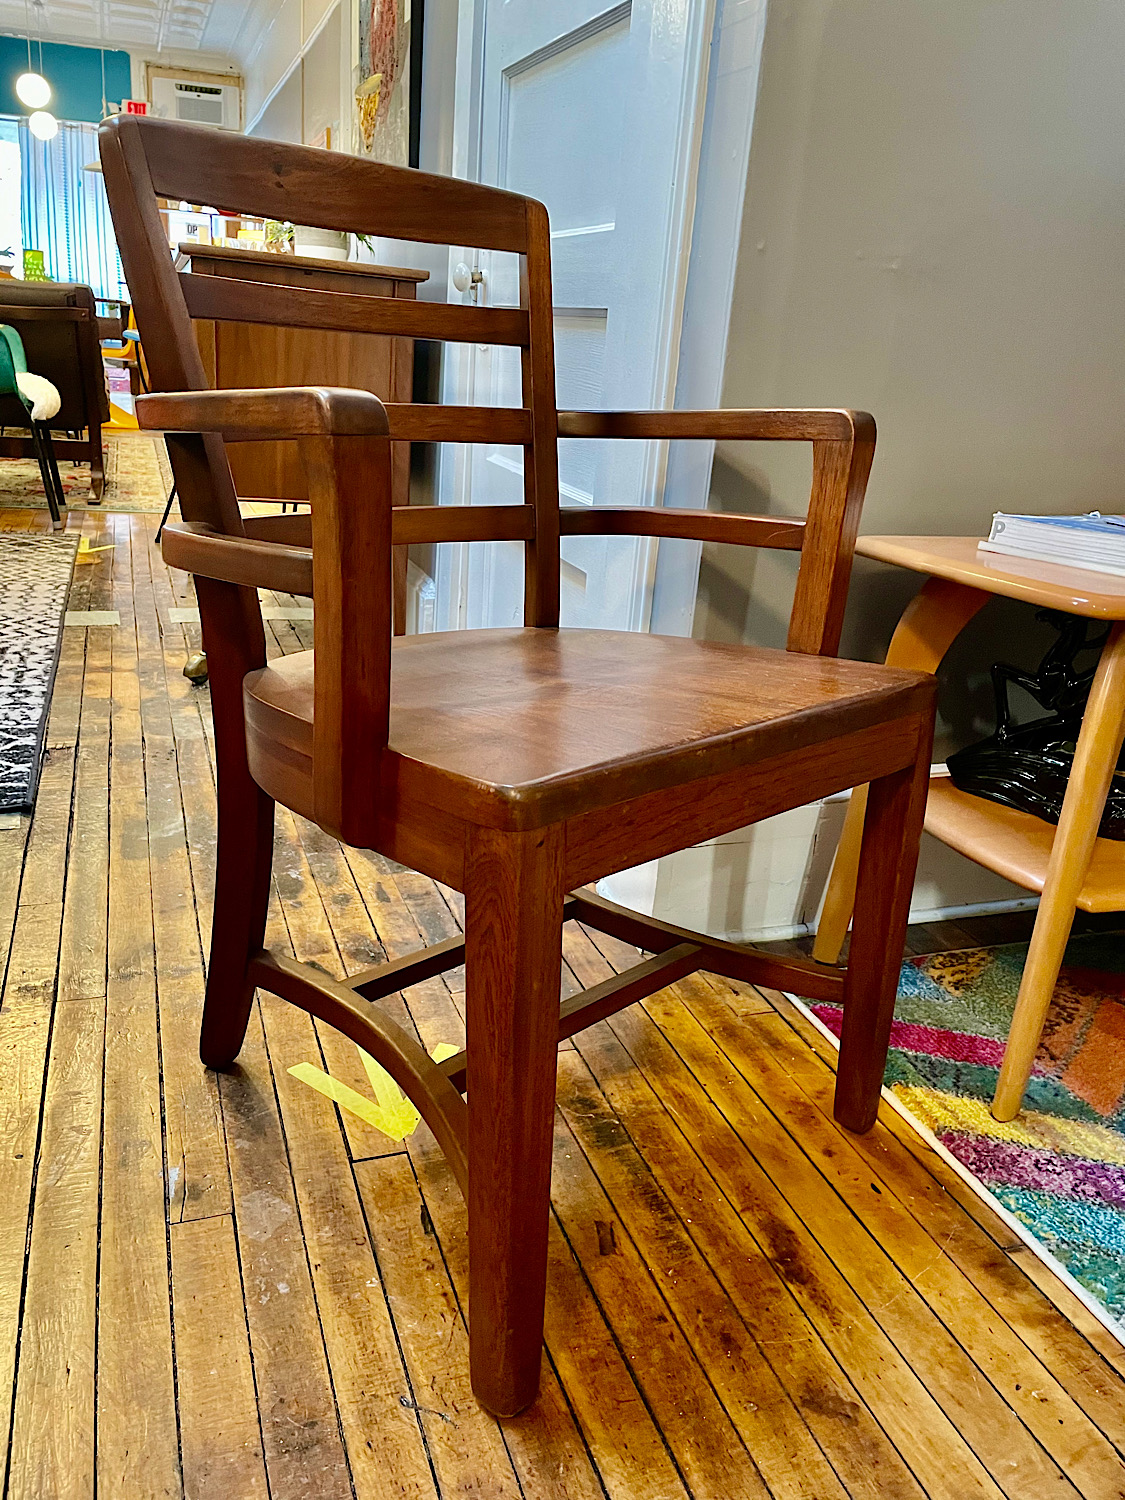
[{"x": 41, "y": 401}]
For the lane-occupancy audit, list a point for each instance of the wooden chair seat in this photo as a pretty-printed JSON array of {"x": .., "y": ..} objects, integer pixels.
[{"x": 520, "y": 728}]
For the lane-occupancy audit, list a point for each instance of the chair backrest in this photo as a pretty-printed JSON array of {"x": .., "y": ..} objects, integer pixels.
[
  {"x": 12, "y": 362},
  {"x": 146, "y": 159},
  {"x": 57, "y": 322}
]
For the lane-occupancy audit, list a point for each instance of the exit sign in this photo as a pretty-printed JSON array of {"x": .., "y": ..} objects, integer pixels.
[{"x": 135, "y": 106}]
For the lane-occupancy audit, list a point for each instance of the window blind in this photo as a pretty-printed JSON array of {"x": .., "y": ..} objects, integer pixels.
[{"x": 64, "y": 210}]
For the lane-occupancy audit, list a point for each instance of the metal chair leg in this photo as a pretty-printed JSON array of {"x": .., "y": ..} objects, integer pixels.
[
  {"x": 48, "y": 476},
  {"x": 167, "y": 513},
  {"x": 53, "y": 465}
]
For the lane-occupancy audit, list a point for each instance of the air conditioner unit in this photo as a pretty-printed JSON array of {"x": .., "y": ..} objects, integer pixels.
[{"x": 217, "y": 104}]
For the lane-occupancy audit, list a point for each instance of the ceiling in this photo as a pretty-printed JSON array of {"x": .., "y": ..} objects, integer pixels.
[{"x": 193, "y": 25}]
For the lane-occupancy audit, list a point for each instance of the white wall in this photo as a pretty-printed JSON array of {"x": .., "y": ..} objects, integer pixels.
[
  {"x": 306, "y": 39},
  {"x": 934, "y": 231},
  {"x": 282, "y": 119},
  {"x": 325, "y": 105}
]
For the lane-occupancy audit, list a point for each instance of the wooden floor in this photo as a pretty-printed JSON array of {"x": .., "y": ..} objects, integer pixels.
[{"x": 223, "y": 1287}]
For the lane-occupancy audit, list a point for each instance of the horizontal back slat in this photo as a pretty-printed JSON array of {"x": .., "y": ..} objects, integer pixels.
[
  {"x": 425, "y": 423},
  {"x": 782, "y": 533},
  {"x": 413, "y": 524},
  {"x": 326, "y": 189},
  {"x": 462, "y": 523},
  {"x": 227, "y": 300},
  {"x": 261, "y": 414}
]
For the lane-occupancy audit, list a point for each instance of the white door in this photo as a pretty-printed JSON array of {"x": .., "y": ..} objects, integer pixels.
[{"x": 595, "y": 111}]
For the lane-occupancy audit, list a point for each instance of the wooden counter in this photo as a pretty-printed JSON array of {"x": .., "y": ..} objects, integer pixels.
[{"x": 239, "y": 355}]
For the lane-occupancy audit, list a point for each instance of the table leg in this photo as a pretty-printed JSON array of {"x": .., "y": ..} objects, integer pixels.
[
  {"x": 1095, "y": 757},
  {"x": 931, "y": 622}
]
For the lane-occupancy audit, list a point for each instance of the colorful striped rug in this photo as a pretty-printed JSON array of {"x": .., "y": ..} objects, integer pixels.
[{"x": 1059, "y": 1167}]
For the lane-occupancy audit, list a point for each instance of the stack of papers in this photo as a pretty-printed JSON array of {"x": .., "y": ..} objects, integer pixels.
[{"x": 1095, "y": 541}]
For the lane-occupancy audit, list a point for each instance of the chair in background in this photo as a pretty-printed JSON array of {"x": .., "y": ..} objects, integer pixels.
[
  {"x": 516, "y": 765},
  {"x": 39, "y": 401},
  {"x": 59, "y": 326},
  {"x": 121, "y": 343}
]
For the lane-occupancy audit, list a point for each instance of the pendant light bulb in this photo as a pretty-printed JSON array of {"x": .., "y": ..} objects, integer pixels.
[
  {"x": 43, "y": 125},
  {"x": 33, "y": 90}
]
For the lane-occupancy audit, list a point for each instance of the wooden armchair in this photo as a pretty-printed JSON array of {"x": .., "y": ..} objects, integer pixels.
[{"x": 516, "y": 765}]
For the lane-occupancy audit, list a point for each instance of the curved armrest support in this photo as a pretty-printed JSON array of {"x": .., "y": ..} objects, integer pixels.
[
  {"x": 282, "y": 412},
  {"x": 346, "y": 452},
  {"x": 349, "y": 478},
  {"x": 252, "y": 563}
]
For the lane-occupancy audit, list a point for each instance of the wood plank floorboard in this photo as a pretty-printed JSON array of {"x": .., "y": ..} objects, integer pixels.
[{"x": 225, "y": 1287}]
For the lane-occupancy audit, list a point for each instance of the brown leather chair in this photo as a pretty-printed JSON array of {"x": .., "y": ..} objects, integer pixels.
[{"x": 59, "y": 325}]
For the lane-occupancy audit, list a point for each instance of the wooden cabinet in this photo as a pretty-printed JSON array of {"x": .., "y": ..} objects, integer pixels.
[{"x": 240, "y": 355}]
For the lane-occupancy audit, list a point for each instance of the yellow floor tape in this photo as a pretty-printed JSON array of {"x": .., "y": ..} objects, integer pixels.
[
  {"x": 390, "y": 1111},
  {"x": 86, "y": 552}
]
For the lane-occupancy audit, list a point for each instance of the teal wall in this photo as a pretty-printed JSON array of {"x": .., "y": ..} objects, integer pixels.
[{"x": 74, "y": 73}]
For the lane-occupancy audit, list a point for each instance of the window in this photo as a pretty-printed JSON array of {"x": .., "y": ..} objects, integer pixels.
[{"x": 64, "y": 211}]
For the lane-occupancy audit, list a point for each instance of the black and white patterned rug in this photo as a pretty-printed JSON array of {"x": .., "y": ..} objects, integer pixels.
[{"x": 35, "y": 574}]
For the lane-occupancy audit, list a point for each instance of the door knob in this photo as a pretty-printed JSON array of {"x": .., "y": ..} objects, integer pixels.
[{"x": 466, "y": 280}]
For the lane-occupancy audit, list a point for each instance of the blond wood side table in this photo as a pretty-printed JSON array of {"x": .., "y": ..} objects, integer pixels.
[{"x": 1070, "y": 866}]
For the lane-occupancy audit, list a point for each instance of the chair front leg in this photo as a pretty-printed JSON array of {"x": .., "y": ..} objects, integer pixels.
[
  {"x": 97, "y": 462},
  {"x": 45, "y": 473},
  {"x": 244, "y": 852},
  {"x": 896, "y": 805},
  {"x": 513, "y": 962},
  {"x": 53, "y": 465}
]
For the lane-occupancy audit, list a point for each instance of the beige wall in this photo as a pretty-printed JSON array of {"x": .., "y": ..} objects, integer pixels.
[{"x": 935, "y": 231}]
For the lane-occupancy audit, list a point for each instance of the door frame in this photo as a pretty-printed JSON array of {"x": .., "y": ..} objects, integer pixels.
[{"x": 713, "y": 155}]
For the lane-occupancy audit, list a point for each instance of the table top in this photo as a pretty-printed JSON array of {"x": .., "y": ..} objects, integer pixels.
[
  {"x": 189, "y": 250},
  {"x": 1078, "y": 591}
]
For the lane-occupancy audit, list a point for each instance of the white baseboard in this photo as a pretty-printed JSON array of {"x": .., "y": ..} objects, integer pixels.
[
  {"x": 766, "y": 883},
  {"x": 935, "y": 914}
]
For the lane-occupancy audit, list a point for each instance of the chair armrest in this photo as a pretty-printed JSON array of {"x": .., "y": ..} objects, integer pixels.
[
  {"x": 785, "y": 533},
  {"x": 278, "y": 413},
  {"x": 843, "y": 444},
  {"x": 248, "y": 561},
  {"x": 737, "y": 424}
]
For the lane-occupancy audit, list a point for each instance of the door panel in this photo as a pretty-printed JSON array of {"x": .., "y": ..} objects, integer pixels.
[{"x": 592, "y": 110}]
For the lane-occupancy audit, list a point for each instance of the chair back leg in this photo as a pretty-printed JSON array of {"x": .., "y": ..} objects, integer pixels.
[
  {"x": 892, "y": 831},
  {"x": 48, "y": 470}
]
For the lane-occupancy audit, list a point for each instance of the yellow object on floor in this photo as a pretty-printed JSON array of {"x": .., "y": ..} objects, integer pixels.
[
  {"x": 86, "y": 552},
  {"x": 390, "y": 1111}
]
